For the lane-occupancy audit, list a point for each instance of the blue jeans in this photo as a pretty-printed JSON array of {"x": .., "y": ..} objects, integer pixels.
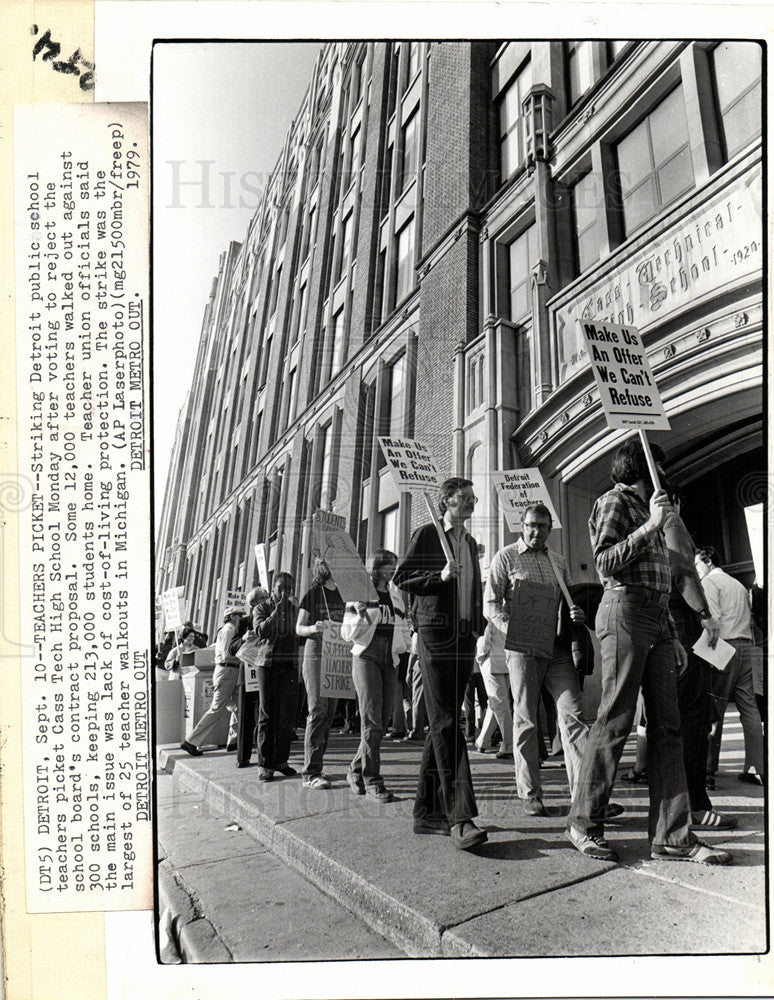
[
  {"x": 637, "y": 650},
  {"x": 374, "y": 677},
  {"x": 320, "y": 711},
  {"x": 445, "y": 786}
]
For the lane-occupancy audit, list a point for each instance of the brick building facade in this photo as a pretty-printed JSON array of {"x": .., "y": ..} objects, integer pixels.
[{"x": 441, "y": 215}]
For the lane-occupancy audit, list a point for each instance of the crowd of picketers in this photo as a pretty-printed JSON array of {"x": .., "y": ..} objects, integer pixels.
[{"x": 437, "y": 642}]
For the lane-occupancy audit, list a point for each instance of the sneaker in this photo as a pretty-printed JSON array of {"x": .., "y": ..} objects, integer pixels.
[
  {"x": 190, "y": 748},
  {"x": 286, "y": 770},
  {"x": 380, "y": 793},
  {"x": 265, "y": 773},
  {"x": 591, "y": 845},
  {"x": 700, "y": 853},
  {"x": 535, "y": 807},
  {"x": 708, "y": 819},
  {"x": 355, "y": 782},
  {"x": 316, "y": 781}
]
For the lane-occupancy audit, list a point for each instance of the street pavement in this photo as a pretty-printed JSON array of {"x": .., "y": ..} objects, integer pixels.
[{"x": 255, "y": 871}]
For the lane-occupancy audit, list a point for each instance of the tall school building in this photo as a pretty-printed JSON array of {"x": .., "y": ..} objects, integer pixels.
[{"x": 440, "y": 218}]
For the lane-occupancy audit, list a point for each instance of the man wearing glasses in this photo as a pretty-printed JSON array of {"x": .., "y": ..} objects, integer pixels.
[
  {"x": 447, "y": 614},
  {"x": 528, "y": 559}
]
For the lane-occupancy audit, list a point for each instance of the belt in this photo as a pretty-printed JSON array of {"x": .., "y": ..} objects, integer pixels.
[{"x": 640, "y": 591}]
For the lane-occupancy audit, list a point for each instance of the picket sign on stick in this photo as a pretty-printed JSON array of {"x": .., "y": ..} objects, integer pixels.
[
  {"x": 560, "y": 579},
  {"x": 650, "y": 460},
  {"x": 439, "y": 528},
  {"x": 414, "y": 470}
]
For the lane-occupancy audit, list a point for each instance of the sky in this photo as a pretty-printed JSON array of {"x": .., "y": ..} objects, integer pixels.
[{"x": 219, "y": 109}]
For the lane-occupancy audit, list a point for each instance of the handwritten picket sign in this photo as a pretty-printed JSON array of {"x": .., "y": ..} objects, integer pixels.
[
  {"x": 533, "y": 619},
  {"x": 333, "y": 543},
  {"x": 173, "y": 605},
  {"x": 335, "y": 664}
]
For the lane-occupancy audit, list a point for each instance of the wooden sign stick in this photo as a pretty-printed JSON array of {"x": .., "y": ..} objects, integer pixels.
[
  {"x": 560, "y": 579},
  {"x": 439, "y": 528},
  {"x": 650, "y": 460}
]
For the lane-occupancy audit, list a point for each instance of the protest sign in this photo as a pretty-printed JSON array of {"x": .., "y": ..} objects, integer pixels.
[
  {"x": 627, "y": 389},
  {"x": 518, "y": 489},
  {"x": 250, "y": 676},
  {"x": 411, "y": 464},
  {"x": 234, "y": 598},
  {"x": 414, "y": 470},
  {"x": 262, "y": 563},
  {"x": 336, "y": 664},
  {"x": 331, "y": 541},
  {"x": 533, "y": 619},
  {"x": 173, "y": 605}
]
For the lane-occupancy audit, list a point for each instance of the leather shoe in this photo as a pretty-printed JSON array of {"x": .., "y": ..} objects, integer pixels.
[
  {"x": 231, "y": 747},
  {"x": 244, "y": 763},
  {"x": 438, "y": 827},
  {"x": 535, "y": 807},
  {"x": 286, "y": 770},
  {"x": 355, "y": 782},
  {"x": 467, "y": 835},
  {"x": 190, "y": 748},
  {"x": 266, "y": 774},
  {"x": 612, "y": 811}
]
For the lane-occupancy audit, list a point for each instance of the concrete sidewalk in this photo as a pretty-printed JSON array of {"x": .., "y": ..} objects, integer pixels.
[{"x": 526, "y": 892}]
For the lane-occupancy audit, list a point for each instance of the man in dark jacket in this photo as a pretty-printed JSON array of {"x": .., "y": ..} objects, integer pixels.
[{"x": 446, "y": 605}]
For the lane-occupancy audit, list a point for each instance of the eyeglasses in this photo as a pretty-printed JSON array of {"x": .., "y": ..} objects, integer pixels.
[{"x": 534, "y": 526}]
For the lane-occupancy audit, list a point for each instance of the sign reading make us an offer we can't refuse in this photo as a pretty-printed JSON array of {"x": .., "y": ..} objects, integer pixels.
[{"x": 627, "y": 389}]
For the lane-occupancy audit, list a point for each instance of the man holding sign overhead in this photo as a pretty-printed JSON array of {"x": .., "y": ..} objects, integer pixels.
[
  {"x": 446, "y": 611},
  {"x": 639, "y": 648}
]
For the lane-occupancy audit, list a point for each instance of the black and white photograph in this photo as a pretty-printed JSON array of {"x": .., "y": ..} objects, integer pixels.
[{"x": 459, "y": 487}]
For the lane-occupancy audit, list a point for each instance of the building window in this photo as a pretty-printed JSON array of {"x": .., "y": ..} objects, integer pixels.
[
  {"x": 511, "y": 122},
  {"x": 397, "y": 393},
  {"x": 299, "y": 316},
  {"x": 654, "y": 162},
  {"x": 265, "y": 367},
  {"x": 519, "y": 266},
  {"x": 404, "y": 272},
  {"x": 587, "y": 196},
  {"x": 389, "y": 528},
  {"x": 475, "y": 382},
  {"x": 275, "y": 290},
  {"x": 737, "y": 68},
  {"x": 346, "y": 246},
  {"x": 580, "y": 69},
  {"x": 354, "y": 155},
  {"x": 326, "y": 461},
  {"x": 292, "y": 394},
  {"x": 409, "y": 157},
  {"x": 412, "y": 62},
  {"x": 356, "y": 82},
  {"x": 338, "y": 350}
]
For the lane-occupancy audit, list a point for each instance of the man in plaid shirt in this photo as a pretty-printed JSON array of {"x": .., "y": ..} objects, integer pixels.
[{"x": 639, "y": 648}]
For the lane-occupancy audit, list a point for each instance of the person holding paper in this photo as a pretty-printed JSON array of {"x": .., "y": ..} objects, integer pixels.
[
  {"x": 274, "y": 623},
  {"x": 529, "y": 561},
  {"x": 377, "y": 632},
  {"x": 224, "y": 683},
  {"x": 320, "y": 605},
  {"x": 729, "y": 602},
  {"x": 639, "y": 649},
  {"x": 446, "y": 610}
]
